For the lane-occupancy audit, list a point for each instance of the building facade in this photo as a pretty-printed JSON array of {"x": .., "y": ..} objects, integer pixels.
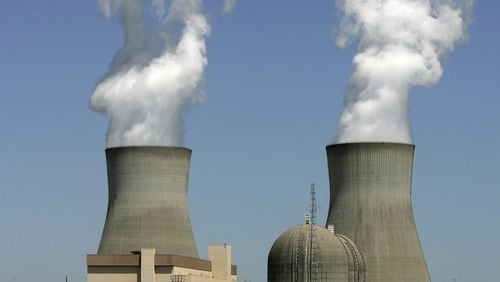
[{"x": 147, "y": 266}]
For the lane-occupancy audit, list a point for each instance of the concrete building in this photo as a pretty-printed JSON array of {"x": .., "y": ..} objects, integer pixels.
[
  {"x": 147, "y": 266},
  {"x": 309, "y": 252},
  {"x": 370, "y": 202}
]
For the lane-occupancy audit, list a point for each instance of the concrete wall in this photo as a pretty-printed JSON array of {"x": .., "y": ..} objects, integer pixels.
[
  {"x": 113, "y": 274},
  {"x": 148, "y": 201},
  {"x": 190, "y": 275},
  {"x": 148, "y": 267},
  {"x": 370, "y": 202},
  {"x": 220, "y": 256}
]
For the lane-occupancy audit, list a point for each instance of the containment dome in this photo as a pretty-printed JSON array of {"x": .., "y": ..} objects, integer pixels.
[{"x": 313, "y": 253}]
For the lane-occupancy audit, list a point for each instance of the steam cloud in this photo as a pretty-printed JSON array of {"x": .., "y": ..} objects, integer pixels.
[
  {"x": 401, "y": 43},
  {"x": 229, "y": 6},
  {"x": 155, "y": 75}
]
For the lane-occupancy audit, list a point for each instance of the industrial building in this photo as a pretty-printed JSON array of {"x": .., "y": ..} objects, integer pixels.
[
  {"x": 146, "y": 265},
  {"x": 147, "y": 234},
  {"x": 370, "y": 210}
]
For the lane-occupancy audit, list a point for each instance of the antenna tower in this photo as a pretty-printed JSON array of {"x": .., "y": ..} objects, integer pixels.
[{"x": 312, "y": 256}]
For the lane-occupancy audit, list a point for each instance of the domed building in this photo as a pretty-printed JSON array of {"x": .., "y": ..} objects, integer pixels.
[{"x": 309, "y": 252}]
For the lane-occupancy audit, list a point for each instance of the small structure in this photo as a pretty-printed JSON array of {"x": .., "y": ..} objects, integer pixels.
[{"x": 147, "y": 266}]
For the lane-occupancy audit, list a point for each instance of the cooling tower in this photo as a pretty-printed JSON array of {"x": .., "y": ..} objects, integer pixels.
[
  {"x": 370, "y": 202},
  {"x": 148, "y": 201}
]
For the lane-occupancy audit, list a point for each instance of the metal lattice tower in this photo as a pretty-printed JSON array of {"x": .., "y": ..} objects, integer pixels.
[
  {"x": 312, "y": 262},
  {"x": 313, "y": 204}
]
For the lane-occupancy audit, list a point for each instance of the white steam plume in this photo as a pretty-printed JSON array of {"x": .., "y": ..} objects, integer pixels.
[
  {"x": 229, "y": 6},
  {"x": 401, "y": 43},
  {"x": 155, "y": 75}
]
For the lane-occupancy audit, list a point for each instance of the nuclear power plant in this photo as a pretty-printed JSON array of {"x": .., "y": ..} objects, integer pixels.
[
  {"x": 147, "y": 234},
  {"x": 371, "y": 233}
]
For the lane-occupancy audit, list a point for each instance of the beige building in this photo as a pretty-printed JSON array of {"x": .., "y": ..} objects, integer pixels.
[{"x": 147, "y": 266}]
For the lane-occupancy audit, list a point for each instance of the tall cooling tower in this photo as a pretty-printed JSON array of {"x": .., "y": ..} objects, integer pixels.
[
  {"x": 370, "y": 202},
  {"x": 148, "y": 201}
]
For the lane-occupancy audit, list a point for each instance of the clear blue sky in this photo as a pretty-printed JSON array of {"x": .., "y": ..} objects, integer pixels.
[{"x": 275, "y": 85}]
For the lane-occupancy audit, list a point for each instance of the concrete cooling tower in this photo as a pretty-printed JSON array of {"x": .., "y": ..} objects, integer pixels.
[
  {"x": 370, "y": 202},
  {"x": 148, "y": 201}
]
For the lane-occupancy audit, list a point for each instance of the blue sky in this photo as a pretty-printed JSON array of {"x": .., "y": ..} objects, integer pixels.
[{"x": 275, "y": 84}]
